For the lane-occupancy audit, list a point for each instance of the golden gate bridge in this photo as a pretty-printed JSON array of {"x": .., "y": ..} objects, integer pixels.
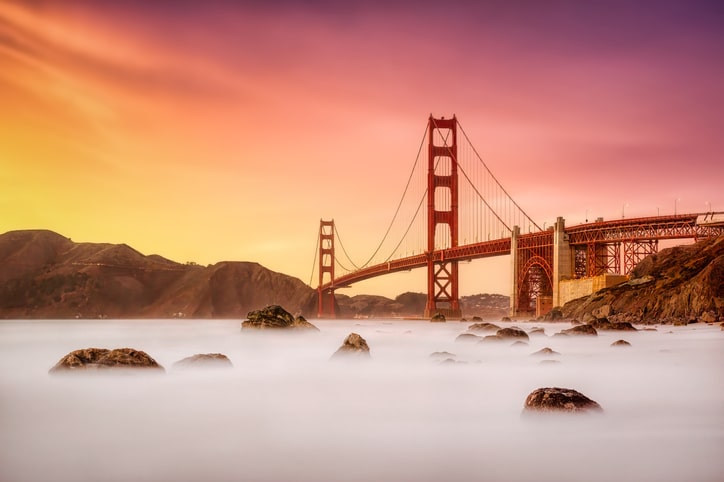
[{"x": 453, "y": 209}]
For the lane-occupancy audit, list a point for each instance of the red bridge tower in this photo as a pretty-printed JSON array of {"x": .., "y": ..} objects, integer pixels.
[{"x": 442, "y": 212}]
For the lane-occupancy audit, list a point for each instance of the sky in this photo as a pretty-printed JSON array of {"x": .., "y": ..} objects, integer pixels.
[{"x": 213, "y": 131}]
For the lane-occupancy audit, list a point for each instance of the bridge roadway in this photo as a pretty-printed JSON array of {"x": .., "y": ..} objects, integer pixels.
[{"x": 697, "y": 225}]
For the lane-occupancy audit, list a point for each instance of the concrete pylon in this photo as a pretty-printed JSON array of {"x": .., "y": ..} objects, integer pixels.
[
  {"x": 514, "y": 270},
  {"x": 562, "y": 258}
]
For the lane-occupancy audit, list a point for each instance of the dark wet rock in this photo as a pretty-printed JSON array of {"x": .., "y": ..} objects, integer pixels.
[
  {"x": 482, "y": 327},
  {"x": 556, "y": 399},
  {"x": 442, "y": 354},
  {"x": 204, "y": 360},
  {"x": 275, "y": 317},
  {"x": 581, "y": 330},
  {"x": 438, "y": 318},
  {"x": 545, "y": 352},
  {"x": 469, "y": 337},
  {"x": 603, "y": 324},
  {"x": 554, "y": 315},
  {"x": 463, "y": 320},
  {"x": 477, "y": 318},
  {"x": 560, "y": 334},
  {"x": 491, "y": 339},
  {"x": 505, "y": 318},
  {"x": 650, "y": 329},
  {"x": 103, "y": 359},
  {"x": 620, "y": 343},
  {"x": 537, "y": 331},
  {"x": 354, "y": 346},
  {"x": 512, "y": 333}
]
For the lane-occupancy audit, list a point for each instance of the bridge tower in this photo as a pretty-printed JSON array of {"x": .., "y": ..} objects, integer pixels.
[
  {"x": 325, "y": 298},
  {"x": 442, "y": 211}
]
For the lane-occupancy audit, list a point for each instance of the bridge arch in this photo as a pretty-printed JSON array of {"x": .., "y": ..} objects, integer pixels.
[{"x": 536, "y": 280}]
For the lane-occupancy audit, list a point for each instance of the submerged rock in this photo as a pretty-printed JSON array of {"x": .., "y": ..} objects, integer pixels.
[
  {"x": 442, "y": 354},
  {"x": 275, "y": 317},
  {"x": 204, "y": 360},
  {"x": 512, "y": 333},
  {"x": 438, "y": 317},
  {"x": 477, "y": 318},
  {"x": 620, "y": 343},
  {"x": 537, "y": 331},
  {"x": 556, "y": 399},
  {"x": 581, "y": 330},
  {"x": 467, "y": 337},
  {"x": 104, "y": 359},
  {"x": 545, "y": 351},
  {"x": 482, "y": 327},
  {"x": 354, "y": 346}
]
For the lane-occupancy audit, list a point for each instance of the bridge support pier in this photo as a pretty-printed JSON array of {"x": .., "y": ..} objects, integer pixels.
[
  {"x": 563, "y": 258},
  {"x": 325, "y": 297},
  {"x": 514, "y": 270}
]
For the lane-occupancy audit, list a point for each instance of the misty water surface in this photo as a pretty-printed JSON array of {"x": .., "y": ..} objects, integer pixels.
[{"x": 285, "y": 412}]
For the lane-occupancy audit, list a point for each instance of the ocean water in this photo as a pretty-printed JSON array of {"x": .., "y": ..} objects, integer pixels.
[{"x": 285, "y": 412}]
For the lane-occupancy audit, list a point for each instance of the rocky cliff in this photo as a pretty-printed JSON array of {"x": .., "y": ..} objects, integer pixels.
[
  {"x": 45, "y": 275},
  {"x": 677, "y": 285}
]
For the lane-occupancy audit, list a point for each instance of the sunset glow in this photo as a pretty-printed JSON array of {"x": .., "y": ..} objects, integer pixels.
[{"x": 218, "y": 131}]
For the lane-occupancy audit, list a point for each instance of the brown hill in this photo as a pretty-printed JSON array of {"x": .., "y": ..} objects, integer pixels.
[
  {"x": 45, "y": 275},
  {"x": 413, "y": 304},
  {"x": 677, "y": 285}
]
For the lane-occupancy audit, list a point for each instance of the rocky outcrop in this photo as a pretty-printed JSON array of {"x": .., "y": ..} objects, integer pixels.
[
  {"x": 512, "y": 334},
  {"x": 354, "y": 346},
  {"x": 603, "y": 324},
  {"x": 676, "y": 285},
  {"x": 46, "y": 275},
  {"x": 203, "y": 360},
  {"x": 620, "y": 343},
  {"x": 437, "y": 318},
  {"x": 561, "y": 400},
  {"x": 91, "y": 359},
  {"x": 274, "y": 317}
]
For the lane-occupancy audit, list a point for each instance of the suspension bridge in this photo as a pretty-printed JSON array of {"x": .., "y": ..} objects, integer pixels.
[{"x": 453, "y": 209}]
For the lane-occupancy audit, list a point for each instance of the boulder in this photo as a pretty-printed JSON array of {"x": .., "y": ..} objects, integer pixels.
[
  {"x": 103, "y": 359},
  {"x": 511, "y": 333},
  {"x": 204, "y": 360},
  {"x": 603, "y": 324},
  {"x": 477, "y": 318},
  {"x": 491, "y": 338},
  {"x": 481, "y": 327},
  {"x": 467, "y": 337},
  {"x": 554, "y": 399},
  {"x": 554, "y": 315},
  {"x": 544, "y": 352},
  {"x": 620, "y": 343},
  {"x": 537, "y": 331},
  {"x": 438, "y": 318},
  {"x": 354, "y": 346},
  {"x": 581, "y": 330},
  {"x": 505, "y": 318},
  {"x": 275, "y": 317}
]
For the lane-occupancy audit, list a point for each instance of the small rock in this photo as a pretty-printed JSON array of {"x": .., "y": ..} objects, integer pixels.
[
  {"x": 620, "y": 343},
  {"x": 467, "y": 337},
  {"x": 477, "y": 318},
  {"x": 581, "y": 330},
  {"x": 519, "y": 343},
  {"x": 505, "y": 318},
  {"x": 512, "y": 333},
  {"x": 438, "y": 318},
  {"x": 354, "y": 346},
  {"x": 104, "y": 359},
  {"x": 442, "y": 354},
  {"x": 204, "y": 360},
  {"x": 491, "y": 338},
  {"x": 483, "y": 327},
  {"x": 554, "y": 315},
  {"x": 537, "y": 331},
  {"x": 559, "y": 400},
  {"x": 545, "y": 351}
]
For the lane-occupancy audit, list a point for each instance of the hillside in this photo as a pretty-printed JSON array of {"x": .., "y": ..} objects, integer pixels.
[
  {"x": 676, "y": 285},
  {"x": 45, "y": 275}
]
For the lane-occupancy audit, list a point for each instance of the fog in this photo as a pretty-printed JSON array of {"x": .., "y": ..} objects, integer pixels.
[{"x": 286, "y": 412}]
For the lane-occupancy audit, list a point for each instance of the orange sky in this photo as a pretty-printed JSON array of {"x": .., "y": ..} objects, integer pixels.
[{"x": 225, "y": 132}]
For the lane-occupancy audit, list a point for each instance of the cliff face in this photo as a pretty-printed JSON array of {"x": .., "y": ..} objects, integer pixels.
[
  {"x": 45, "y": 275},
  {"x": 676, "y": 285}
]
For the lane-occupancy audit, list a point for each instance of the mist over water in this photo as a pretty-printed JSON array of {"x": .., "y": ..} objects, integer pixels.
[{"x": 286, "y": 412}]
